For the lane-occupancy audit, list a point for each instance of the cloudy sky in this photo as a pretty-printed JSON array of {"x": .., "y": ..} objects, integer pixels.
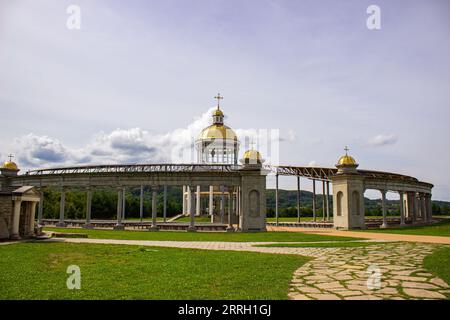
[{"x": 136, "y": 82}]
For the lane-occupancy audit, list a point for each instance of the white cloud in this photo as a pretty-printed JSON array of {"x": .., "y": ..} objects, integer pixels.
[
  {"x": 135, "y": 145},
  {"x": 382, "y": 140}
]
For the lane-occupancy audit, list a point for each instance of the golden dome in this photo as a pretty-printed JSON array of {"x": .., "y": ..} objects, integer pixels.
[
  {"x": 10, "y": 165},
  {"x": 218, "y": 113},
  {"x": 218, "y": 131},
  {"x": 252, "y": 155},
  {"x": 347, "y": 161}
]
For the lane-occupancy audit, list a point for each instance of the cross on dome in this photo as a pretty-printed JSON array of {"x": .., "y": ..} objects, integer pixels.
[
  {"x": 218, "y": 97},
  {"x": 346, "y": 150}
]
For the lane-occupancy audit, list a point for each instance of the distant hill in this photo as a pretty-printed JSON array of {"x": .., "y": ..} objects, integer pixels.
[{"x": 288, "y": 204}]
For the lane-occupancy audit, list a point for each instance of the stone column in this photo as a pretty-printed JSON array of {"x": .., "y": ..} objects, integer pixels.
[
  {"x": 141, "y": 203},
  {"x": 383, "y": 205},
  {"x": 211, "y": 201},
  {"x": 230, "y": 221},
  {"x": 197, "y": 201},
  {"x": 88, "y": 224},
  {"x": 416, "y": 207},
  {"x": 222, "y": 204},
  {"x": 276, "y": 200},
  {"x": 323, "y": 200},
  {"x": 41, "y": 206},
  {"x": 314, "y": 200},
  {"x": 327, "y": 203},
  {"x": 191, "y": 227},
  {"x": 238, "y": 206},
  {"x": 32, "y": 216},
  {"x": 430, "y": 208},
  {"x": 119, "y": 225},
  {"x": 401, "y": 208},
  {"x": 124, "y": 198},
  {"x": 62, "y": 208},
  {"x": 424, "y": 208},
  {"x": 16, "y": 220},
  {"x": 189, "y": 200},
  {"x": 298, "y": 199},
  {"x": 184, "y": 200},
  {"x": 154, "y": 226},
  {"x": 165, "y": 204}
]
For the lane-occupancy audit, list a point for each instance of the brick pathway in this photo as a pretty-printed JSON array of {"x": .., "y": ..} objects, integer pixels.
[{"x": 337, "y": 273}]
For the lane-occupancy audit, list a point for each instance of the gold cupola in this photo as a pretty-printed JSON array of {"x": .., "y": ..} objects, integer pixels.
[
  {"x": 346, "y": 163},
  {"x": 252, "y": 157},
  {"x": 218, "y": 143},
  {"x": 9, "y": 167}
]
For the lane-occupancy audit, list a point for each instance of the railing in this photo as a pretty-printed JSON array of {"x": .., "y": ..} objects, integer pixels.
[{"x": 135, "y": 168}]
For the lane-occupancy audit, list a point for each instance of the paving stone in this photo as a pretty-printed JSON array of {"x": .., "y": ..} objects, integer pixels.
[
  {"x": 439, "y": 282},
  {"x": 422, "y": 293},
  {"x": 414, "y": 279},
  {"x": 298, "y": 296},
  {"x": 418, "y": 285},
  {"x": 348, "y": 293},
  {"x": 329, "y": 285},
  {"x": 363, "y": 297}
]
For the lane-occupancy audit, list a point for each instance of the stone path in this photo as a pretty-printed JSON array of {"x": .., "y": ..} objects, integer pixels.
[
  {"x": 337, "y": 273},
  {"x": 351, "y": 273}
]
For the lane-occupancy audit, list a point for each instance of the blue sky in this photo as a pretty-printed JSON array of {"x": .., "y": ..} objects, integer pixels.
[{"x": 137, "y": 81}]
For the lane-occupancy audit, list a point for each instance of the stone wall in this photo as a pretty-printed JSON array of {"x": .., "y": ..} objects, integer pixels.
[{"x": 6, "y": 211}]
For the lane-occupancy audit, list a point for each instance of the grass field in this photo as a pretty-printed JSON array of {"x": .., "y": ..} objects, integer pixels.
[
  {"x": 203, "y": 236},
  {"x": 439, "y": 229},
  {"x": 38, "y": 271},
  {"x": 439, "y": 263}
]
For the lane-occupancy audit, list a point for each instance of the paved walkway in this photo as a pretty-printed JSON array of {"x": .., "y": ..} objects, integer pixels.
[
  {"x": 337, "y": 273},
  {"x": 367, "y": 235},
  {"x": 352, "y": 273}
]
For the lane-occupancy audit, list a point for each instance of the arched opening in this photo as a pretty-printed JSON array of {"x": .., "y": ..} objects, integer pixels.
[
  {"x": 339, "y": 197},
  {"x": 356, "y": 203}
]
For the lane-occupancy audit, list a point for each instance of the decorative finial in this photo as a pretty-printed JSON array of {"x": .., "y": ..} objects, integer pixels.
[
  {"x": 218, "y": 97},
  {"x": 10, "y": 157},
  {"x": 346, "y": 150}
]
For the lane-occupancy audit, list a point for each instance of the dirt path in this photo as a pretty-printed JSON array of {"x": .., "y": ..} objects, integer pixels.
[{"x": 367, "y": 235}]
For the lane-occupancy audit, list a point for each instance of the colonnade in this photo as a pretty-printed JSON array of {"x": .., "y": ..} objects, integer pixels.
[
  {"x": 231, "y": 193},
  {"x": 325, "y": 202},
  {"x": 413, "y": 206},
  {"x": 191, "y": 205}
]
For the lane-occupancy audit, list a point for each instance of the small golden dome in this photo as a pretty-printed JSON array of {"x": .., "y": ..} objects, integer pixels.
[
  {"x": 218, "y": 113},
  {"x": 252, "y": 157},
  {"x": 346, "y": 161},
  {"x": 10, "y": 165},
  {"x": 218, "y": 131}
]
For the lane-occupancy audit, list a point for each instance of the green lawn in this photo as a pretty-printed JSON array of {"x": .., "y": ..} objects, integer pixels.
[
  {"x": 341, "y": 244},
  {"x": 203, "y": 236},
  {"x": 38, "y": 271},
  {"x": 439, "y": 263},
  {"x": 438, "y": 229}
]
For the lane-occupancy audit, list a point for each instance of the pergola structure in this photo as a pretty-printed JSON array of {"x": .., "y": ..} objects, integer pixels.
[
  {"x": 349, "y": 185},
  {"x": 245, "y": 184}
]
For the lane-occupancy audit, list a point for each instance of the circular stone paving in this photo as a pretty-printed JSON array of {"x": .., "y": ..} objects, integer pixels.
[{"x": 381, "y": 271}]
